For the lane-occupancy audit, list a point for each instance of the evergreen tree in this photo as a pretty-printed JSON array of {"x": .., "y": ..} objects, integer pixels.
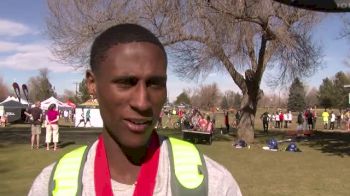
[
  {"x": 340, "y": 93},
  {"x": 296, "y": 99},
  {"x": 83, "y": 91},
  {"x": 182, "y": 98},
  {"x": 326, "y": 94}
]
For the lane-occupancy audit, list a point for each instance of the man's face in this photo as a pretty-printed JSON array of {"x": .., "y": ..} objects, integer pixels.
[
  {"x": 130, "y": 85},
  {"x": 37, "y": 104}
]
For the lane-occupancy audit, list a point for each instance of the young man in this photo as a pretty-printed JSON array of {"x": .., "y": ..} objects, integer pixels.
[
  {"x": 87, "y": 117},
  {"x": 265, "y": 119},
  {"x": 300, "y": 122},
  {"x": 35, "y": 116},
  {"x": 325, "y": 117},
  {"x": 128, "y": 77},
  {"x": 227, "y": 124}
]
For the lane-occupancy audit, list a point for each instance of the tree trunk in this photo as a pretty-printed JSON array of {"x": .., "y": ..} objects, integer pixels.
[{"x": 246, "y": 123}]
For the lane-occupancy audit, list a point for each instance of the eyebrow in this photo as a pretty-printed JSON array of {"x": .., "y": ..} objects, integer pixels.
[{"x": 131, "y": 77}]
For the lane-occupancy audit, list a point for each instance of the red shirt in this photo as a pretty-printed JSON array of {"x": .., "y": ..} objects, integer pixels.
[
  {"x": 181, "y": 113},
  {"x": 52, "y": 115},
  {"x": 281, "y": 117}
]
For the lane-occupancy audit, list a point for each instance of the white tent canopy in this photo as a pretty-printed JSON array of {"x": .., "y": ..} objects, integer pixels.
[
  {"x": 11, "y": 98},
  {"x": 46, "y": 103}
]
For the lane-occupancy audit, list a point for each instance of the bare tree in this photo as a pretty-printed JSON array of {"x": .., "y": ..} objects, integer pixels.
[
  {"x": 242, "y": 37},
  {"x": 69, "y": 95},
  {"x": 4, "y": 90},
  {"x": 40, "y": 87},
  {"x": 206, "y": 96},
  {"x": 311, "y": 97},
  {"x": 229, "y": 97}
]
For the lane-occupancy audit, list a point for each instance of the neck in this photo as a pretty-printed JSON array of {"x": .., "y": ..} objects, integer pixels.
[{"x": 124, "y": 163}]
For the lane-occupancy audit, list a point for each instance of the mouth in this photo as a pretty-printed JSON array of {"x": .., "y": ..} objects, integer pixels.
[{"x": 138, "y": 125}]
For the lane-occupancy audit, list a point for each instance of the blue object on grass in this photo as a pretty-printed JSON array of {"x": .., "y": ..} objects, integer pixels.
[
  {"x": 292, "y": 147},
  {"x": 272, "y": 143}
]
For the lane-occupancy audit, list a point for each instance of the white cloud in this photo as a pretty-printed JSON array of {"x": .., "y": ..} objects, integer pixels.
[
  {"x": 8, "y": 46},
  {"x": 30, "y": 57},
  {"x": 13, "y": 29}
]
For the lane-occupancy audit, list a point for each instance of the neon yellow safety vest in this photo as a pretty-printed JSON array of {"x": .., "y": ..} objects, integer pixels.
[{"x": 189, "y": 174}]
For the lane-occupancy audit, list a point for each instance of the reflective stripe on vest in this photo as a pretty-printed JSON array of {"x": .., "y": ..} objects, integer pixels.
[
  {"x": 67, "y": 176},
  {"x": 189, "y": 174},
  {"x": 188, "y": 171}
]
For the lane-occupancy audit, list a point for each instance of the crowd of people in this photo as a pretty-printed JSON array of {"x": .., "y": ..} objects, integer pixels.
[
  {"x": 306, "y": 120},
  {"x": 190, "y": 118}
]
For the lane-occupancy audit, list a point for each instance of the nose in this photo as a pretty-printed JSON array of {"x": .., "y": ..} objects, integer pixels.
[{"x": 140, "y": 100}]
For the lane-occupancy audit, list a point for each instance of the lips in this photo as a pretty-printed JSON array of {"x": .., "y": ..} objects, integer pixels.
[{"x": 138, "y": 125}]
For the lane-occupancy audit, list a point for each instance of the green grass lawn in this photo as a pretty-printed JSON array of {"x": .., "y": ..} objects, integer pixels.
[{"x": 322, "y": 168}]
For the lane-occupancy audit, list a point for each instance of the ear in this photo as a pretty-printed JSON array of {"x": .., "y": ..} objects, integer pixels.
[{"x": 90, "y": 82}]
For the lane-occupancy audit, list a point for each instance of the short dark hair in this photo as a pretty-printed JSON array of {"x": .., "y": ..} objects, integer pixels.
[
  {"x": 52, "y": 106},
  {"x": 121, "y": 33}
]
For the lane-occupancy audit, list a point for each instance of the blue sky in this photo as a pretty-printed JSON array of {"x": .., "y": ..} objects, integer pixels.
[{"x": 24, "y": 48}]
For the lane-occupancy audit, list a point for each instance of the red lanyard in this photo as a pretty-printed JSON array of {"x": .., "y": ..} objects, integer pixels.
[{"x": 146, "y": 179}]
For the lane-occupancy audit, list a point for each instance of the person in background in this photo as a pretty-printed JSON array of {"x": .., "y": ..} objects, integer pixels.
[
  {"x": 338, "y": 119},
  {"x": 332, "y": 121},
  {"x": 310, "y": 117},
  {"x": 210, "y": 125},
  {"x": 281, "y": 115},
  {"x": 203, "y": 123},
  {"x": 314, "y": 117},
  {"x": 290, "y": 117},
  {"x": 300, "y": 122},
  {"x": 35, "y": 118},
  {"x": 87, "y": 117},
  {"x": 325, "y": 117},
  {"x": 286, "y": 119},
  {"x": 265, "y": 120},
  {"x": 82, "y": 118},
  {"x": 226, "y": 121},
  {"x": 278, "y": 122},
  {"x": 195, "y": 119},
  {"x": 66, "y": 116},
  {"x": 347, "y": 119},
  {"x": 52, "y": 117},
  {"x": 3, "y": 120}
]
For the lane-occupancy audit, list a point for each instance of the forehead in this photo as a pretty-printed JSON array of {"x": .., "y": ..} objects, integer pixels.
[{"x": 134, "y": 56}]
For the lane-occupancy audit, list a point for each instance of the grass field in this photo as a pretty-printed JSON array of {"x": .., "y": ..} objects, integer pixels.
[{"x": 322, "y": 168}]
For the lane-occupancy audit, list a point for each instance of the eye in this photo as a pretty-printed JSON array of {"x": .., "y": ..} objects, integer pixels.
[
  {"x": 125, "y": 82},
  {"x": 157, "y": 83}
]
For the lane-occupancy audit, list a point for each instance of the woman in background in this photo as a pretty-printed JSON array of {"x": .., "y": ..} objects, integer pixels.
[{"x": 52, "y": 117}]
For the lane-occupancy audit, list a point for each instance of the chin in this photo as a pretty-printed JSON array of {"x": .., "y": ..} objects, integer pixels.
[{"x": 136, "y": 140}]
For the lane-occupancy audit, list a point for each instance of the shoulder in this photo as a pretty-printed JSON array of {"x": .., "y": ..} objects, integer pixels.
[
  {"x": 41, "y": 182},
  {"x": 221, "y": 181}
]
